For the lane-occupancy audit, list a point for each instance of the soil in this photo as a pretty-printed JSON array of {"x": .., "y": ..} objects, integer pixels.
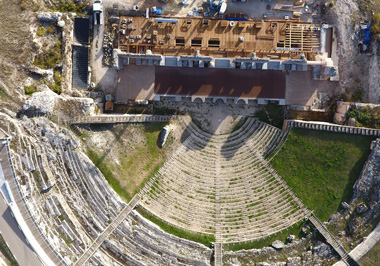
[{"x": 357, "y": 71}]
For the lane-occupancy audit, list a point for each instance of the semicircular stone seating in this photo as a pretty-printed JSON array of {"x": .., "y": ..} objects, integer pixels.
[
  {"x": 80, "y": 205},
  {"x": 222, "y": 185}
]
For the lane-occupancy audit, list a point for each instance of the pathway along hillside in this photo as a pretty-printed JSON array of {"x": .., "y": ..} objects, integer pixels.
[{"x": 222, "y": 185}]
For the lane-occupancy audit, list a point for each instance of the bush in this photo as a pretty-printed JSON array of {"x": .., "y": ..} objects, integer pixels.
[
  {"x": 56, "y": 87},
  {"x": 375, "y": 28},
  {"x": 365, "y": 116},
  {"x": 41, "y": 31},
  {"x": 70, "y": 6},
  {"x": 51, "y": 29},
  {"x": 29, "y": 90},
  {"x": 49, "y": 58}
]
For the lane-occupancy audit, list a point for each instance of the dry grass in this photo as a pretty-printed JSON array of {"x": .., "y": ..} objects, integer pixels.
[
  {"x": 372, "y": 257},
  {"x": 15, "y": 39}
]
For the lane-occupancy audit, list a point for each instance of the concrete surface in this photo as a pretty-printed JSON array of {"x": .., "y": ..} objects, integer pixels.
[
  {"x": 135, "y": 82},
  {"x": 301, "y": 89},
  {"x": 104, "y": 77},
  {"x": 14, "y": 237}
]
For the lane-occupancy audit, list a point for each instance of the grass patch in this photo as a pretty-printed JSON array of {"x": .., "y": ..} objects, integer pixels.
[
  {"x": 137, "y": 166},
  {"x": 41, "y": 31},
  {"x": 3, "y": 93},
  {"x": 295, "y": 229},
  {"x": 103, "y": 166},
  {"x": 272, "y": 114},
  {"x": 29, "y": 90},
  {"x": 197, "y": 237},
  {"x": 7, "y": 252},
  {"x": 365, "y": 116},
  {"x": 56, "y": 85},
  {"x": 70, "y": 6},
  {"x": 51, "y": 57},
  {"x": 322, "y": 167}
]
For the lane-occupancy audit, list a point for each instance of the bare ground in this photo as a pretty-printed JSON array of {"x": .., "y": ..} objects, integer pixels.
[
  {"x": 357, "y": 71},
  {"x": 16, "y": 51}
]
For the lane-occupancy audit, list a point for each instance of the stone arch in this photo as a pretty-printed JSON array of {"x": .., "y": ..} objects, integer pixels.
[{"x": 198, "y": 100}]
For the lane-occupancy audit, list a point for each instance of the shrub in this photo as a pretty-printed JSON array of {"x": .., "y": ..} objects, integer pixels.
[
  {"x": 70, "y": 6},
  {"x": 51, "y": 29},
  {"x": 375, "y": 28},
  {"x": 365, "y": 116},
  {"x": 41, "y": 31},
  {"x": 49, "y": 58},
  {"x": 29, "y": 90}
]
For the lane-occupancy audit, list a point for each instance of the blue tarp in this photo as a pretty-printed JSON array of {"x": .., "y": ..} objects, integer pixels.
[
  {"x": 167, "y": 20},
  {"x": 367, "y": 35},
  {"x": 237, "y": 18}
]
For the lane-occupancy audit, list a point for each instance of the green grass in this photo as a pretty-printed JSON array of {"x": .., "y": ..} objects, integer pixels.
[
  {"x": 41, "y": 31},
  {"x": 145, "y": 160},
  {"x": 106, "y": 170},
  {"x": 70, "y": 6},
  {"x": 267, "y": 241},
  {"x": 197, "y": 237},
  {"x": 365, "y": 116},
  {"x": 322, "y": 167},
  {"x": 51, "y": 57},
  {"x": 29, "y": 90},
  {"x": 7, "y": 252},
  {"x": 272, "y": 114},
  {"x": 3, "y": 93}
]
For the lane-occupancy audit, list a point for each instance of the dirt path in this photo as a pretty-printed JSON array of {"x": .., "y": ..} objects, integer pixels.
[
  {"x": 357, "y": 71},
  {"x": 345, "y": 47},
  {"x": 374, "y": 78},
  {"x": 105, "y": 77}
]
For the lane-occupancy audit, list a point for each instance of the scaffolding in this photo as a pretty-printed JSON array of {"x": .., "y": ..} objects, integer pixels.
[{"x": 302, "y": 37}]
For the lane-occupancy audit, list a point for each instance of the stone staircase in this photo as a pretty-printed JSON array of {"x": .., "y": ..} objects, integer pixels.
[
  {"x": 110, "y": 119},
  {"x": 218, "y": 255},
  {"x": 137, "y": 241},
  {"x": 332, "y": 241},
  {"x": 332, "y": 127},
  {"x": 222, "y": 185},
  {"x": 108, "y": 231}
]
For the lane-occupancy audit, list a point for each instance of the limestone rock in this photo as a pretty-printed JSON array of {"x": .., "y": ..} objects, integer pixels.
[
  {"x": 278, "y": 244},
  {"x": 263, "y": 264},
  {"x": 46, "y": 73},
  {"x": 28, "y": 82},
  {"x": 49, "y": 16},
  {"x": 360, "y": 208},
  {"x": 61, "y": 23},
  {"x": 351, "y": 122},
  {"x": 322, "y": 250},
  {"x": 368, "y": 184},
  {"x": 345, "y": 205},
  {"x": 294, "y": 261},
  {"x": 42, "y": 101},
  {"x": 290, "y": 238}
]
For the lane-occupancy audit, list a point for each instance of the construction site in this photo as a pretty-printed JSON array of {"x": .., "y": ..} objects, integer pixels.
[{"x": 171, "y": 133}]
